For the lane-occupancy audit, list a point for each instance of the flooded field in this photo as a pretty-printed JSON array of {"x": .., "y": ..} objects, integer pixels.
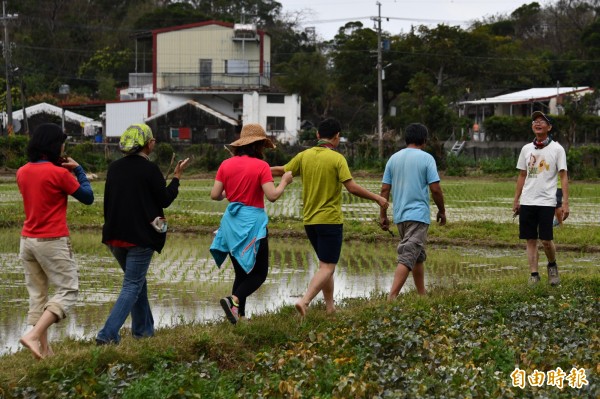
[
  {"x": 185, "y": 285},
  {"x": 466, "y": 200}
]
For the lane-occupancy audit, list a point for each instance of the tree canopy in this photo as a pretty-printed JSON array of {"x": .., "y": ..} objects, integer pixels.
[{"x": 90, "y": 45}]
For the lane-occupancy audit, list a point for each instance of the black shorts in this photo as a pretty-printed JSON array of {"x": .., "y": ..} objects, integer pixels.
[
  {"x": 559, "y": 197},
  {"x": 326, "y": 239},
  {"x": 536, "y": 222}
]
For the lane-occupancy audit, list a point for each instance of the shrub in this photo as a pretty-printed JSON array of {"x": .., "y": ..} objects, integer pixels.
[
  {"x": 164, "y": 152},
  {"x": 13, "y": 151},
  {"x": 583, "y": 162},
  {"x": 508, "y": 128},
  {"x": 364, "y": 155},
  {"x": 206, "y": 156},
  {"x": 456, "y": 165},
  {"x": 278, "y": 156},
  {"x": 85, "y": 155},
  {"x": 504, "y": 166},
  {"x": 308, "y": 134}
]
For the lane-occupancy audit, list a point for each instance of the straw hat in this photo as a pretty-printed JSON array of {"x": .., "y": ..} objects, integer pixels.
[{"x": 250, "y": 133}]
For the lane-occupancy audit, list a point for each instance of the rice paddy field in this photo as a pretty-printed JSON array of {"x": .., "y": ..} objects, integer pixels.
[{"x": 185, "y": 285}]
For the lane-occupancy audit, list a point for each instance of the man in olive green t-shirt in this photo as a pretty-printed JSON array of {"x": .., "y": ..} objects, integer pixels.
[{"x": 323, "y": 173}]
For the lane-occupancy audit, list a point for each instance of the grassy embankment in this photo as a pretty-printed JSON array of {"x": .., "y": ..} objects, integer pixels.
[{"x": 462, "y": 341}]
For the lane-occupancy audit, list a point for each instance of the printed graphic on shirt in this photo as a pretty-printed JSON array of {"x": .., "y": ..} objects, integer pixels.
[{"x": 536, "y": 166}]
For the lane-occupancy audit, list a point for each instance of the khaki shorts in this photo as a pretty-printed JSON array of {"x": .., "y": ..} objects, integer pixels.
[
  {"x": 49, "y": 261},
  {"x": 411, "y": 249}
]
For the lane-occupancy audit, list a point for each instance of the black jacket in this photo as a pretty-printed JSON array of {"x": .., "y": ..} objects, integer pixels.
[{"x": 135, "y": 193}]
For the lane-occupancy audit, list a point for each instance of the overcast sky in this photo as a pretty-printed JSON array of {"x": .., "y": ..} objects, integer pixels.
[{"x": 327, "y": 16}]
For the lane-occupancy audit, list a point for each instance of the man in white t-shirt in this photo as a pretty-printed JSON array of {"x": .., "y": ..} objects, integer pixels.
[{"x": 540, "y": 162}]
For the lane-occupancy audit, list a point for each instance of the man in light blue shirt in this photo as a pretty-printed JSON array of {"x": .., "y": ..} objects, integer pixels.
[{"x": 409, "y": 175}]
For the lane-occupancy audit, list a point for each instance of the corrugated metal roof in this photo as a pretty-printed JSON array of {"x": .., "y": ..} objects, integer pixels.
[
  {"x": 202, "y": 107},
  {"x": 530, "y": 95},
  {"x": 45, "y": 108}
]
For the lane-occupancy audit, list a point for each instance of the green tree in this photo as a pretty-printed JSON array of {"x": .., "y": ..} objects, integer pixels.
[
  {"x": 265, "y": 12},
  {"x": 422, "y": 103},
  {"x": 171, "y": 15},
  {"x": 576, "y": 108},
  {"x": 307, "y": 74},
  {"x": 107, "y": 62},
  {"x": 354, "y": 58},
  {"x": 588, "y": 71},
  {"x": 55, "y": 37},
  {"x": 528, "y": 24}
]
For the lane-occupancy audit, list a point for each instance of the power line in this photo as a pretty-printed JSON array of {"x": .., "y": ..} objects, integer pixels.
[{"x": 349, "y": 19}]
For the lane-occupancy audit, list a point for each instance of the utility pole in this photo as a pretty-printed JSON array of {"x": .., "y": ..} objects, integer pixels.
[
  {"x": 379, "y": 84},
  {"x": 25, "y": 123},
  {"x": 5, "y": 19}
]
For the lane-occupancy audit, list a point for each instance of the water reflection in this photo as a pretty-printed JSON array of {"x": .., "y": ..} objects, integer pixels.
[{"x": 185, "y": 285}]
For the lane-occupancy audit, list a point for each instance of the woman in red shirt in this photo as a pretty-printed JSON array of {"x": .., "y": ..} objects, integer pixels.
[
  {"x": 245, "y": 179},
  {"x": 45, "y": 183}
]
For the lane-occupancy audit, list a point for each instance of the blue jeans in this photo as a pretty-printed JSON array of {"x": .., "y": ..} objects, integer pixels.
[{"x": 133, "y": 297}]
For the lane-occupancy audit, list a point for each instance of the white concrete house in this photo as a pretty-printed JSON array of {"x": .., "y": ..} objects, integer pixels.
[{"x": 206, "y": 77}]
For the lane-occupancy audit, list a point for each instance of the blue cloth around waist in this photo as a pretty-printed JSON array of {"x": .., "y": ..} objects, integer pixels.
[{"x": 242, "y": 227}]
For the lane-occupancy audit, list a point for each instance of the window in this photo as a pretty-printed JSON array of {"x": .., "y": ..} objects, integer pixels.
[
  {"x": 275, "y": 123},
  {"x": 181, "y": 133},
  {"x": 214, "y": 133},
  {"x": 236, "y": 67},
  {"x": 275, "y": 98}
]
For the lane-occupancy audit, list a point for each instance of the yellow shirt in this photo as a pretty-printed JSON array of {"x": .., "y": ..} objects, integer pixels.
[{"x": 323, "y": 171}]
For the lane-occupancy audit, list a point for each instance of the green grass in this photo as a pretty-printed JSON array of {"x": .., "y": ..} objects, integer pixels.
[{"x": 460, "y": 341}]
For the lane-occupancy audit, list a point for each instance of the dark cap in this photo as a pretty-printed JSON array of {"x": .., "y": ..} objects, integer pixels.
[{"x": 538, "y": 114}]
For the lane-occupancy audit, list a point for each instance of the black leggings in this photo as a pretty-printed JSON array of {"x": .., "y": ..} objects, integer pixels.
[{"x": 246, "y": 283}]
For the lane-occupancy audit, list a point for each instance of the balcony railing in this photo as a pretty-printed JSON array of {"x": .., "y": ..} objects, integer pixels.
[
  {"x": 139, "y": 80},
  {"x": 195, "y": 81}
]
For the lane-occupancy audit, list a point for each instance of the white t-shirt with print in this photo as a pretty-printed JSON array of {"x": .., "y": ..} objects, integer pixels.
[{"x": 542, "y": 166}]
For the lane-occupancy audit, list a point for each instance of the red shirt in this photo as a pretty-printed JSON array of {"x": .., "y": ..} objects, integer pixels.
[
  {"x": 243, "y": 177},
  {"x": 45, "y": 189}
]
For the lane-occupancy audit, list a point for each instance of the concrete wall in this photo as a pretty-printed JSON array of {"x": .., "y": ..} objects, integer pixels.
[
  {"x": 484, "y": 150},
  {"x": 120, "y": 115}
]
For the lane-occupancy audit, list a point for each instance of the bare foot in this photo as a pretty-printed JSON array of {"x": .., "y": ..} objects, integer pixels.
[
  {"x": 33, "y": 345},
  {"x": 301, "y": 308},
  {"x": 47, "y": 351},
  {"x": 331, "y": 310}
]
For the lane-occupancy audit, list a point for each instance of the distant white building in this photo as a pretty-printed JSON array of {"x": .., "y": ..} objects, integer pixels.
[
  {"x": 521, "y": 103},
  {"x": 207, "y": 80},
  {"x": 73, "y": 123}
]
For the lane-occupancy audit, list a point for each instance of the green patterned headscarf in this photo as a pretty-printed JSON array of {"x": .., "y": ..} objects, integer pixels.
[{"x": 135, "y": 138}]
